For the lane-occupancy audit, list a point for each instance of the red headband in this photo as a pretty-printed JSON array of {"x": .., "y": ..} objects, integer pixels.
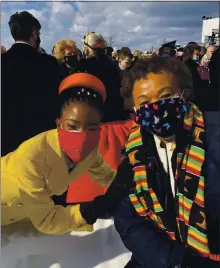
[{"x": 83, "y": 80}]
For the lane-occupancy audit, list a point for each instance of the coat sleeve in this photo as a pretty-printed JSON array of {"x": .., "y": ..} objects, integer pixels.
[
  {"x": 101, "y": 172},
  {"x": 118, "y": 189},
  {"x": 43, "y": 213},
  {"x": 212, "y": 190}
]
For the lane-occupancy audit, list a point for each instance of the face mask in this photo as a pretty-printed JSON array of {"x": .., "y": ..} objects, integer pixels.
[
  {"x": 206, "y": 63},
  {"x": 165, "y": 55},
  {"x": 122, "y": 66},
  {"x": 72, "y": 61},
  {"x": 196, "y": 58},
  {"x": 78, "y": 145},
  {"x": 162, "y": 117}
]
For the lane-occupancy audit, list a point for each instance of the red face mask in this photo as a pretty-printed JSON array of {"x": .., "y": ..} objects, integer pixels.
[{"x": 78, "y": 145}]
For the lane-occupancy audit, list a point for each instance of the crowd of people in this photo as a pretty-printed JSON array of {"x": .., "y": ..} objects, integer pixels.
[{"x": 139, "y": 132}]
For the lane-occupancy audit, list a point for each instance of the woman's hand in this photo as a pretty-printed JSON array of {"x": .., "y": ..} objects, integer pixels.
[{"x": 104, "y": 204}]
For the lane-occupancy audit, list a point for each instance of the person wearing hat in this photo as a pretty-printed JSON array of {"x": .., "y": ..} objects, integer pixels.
[
  {"x": 168, "y": 49},
  {"x": 40, "y": 170}
]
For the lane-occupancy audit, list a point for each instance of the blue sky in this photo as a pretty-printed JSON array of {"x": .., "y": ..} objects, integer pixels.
[{"x": 138, "y": 25}]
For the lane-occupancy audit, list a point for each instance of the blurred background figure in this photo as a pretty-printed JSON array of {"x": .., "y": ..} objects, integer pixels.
[
  {"x": 3, "y": 49},
  {"x": 192, "y": 53},
  {"x": 179, "y": 54},
  {"x": 96, "y": 62},
  {"x": 115, "y": 55},
  {"x": 191, "y": 58},
  {"x": 204, "y": 64},
  {"x": 168, "y": 49},
  {"x": 137, "y": 54},
  {"x": 207, "y": 56},
  {"x": 202, "y": 52},
  {"x": 66, "y": 52},
  {"x": 126, "y": 49},
  {"x": 126, "y": 89},
  {"x": 109, "y": 51},
  {"x": 118, "y": 51},
  {"x": 124, "y": 60},
  {"x": 29, "y": 84}
]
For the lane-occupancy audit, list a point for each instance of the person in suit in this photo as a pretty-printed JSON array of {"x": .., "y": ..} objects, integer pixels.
[
  {"x": 36, "y": 174},
  {"x": 29, "y": 84},
  {"x": 109, "y": 51},
  {"x": 168, "y": 49}
]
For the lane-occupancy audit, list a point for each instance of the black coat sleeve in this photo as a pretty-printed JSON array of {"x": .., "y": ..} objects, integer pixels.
[{"x": 116, "y": 192}]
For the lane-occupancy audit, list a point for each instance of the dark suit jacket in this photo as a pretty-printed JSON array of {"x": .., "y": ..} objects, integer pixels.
[
  {"x": 107, "y": 72},
  {"x": 29, "y": 90},
  {"x": 215, "y": 81},
  {"x": 203, "y": 95}
]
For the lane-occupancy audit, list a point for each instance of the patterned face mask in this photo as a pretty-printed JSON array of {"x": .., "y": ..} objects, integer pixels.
[
  {"x": 196, "y": 58},
  {"x": 161, "y": 117}
]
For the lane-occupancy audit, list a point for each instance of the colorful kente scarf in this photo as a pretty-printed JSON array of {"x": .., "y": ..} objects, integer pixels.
[{"x": 189, "y": 186}]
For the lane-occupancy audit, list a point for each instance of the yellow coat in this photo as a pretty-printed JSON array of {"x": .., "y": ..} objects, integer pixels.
[{"x": 37, "y": 170}]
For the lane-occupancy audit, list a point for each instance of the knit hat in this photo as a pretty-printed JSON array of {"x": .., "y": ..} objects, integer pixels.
[{"x": 83, "y": 80}]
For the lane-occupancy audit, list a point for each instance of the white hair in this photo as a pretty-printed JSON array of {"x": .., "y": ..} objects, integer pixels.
[{"x": 93, "y": 39}]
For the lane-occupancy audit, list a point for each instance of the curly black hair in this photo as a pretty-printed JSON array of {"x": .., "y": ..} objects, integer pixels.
[{"x": 157, "y": 64}]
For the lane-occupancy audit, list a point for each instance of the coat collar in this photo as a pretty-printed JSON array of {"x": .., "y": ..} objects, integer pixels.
[
  {"x": 54, "y": 153},
  {"x": 22, "y": 42},
  {"x": 23, "y": 48}
]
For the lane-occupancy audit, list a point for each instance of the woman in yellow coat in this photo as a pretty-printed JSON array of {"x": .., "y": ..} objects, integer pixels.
[{"x": 45, "y": 165}]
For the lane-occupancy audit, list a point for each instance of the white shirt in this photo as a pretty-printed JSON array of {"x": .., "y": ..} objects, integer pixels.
[
  {"x": 22, "y": 42},
  {"x": 164, "y": 154}
]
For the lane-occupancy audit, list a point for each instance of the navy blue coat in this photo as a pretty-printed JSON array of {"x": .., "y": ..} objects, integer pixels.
[{"x": 152, "y": 248}]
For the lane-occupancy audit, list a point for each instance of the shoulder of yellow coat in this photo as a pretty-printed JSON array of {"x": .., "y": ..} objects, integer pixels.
[{"x": 35, "y": 147}]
